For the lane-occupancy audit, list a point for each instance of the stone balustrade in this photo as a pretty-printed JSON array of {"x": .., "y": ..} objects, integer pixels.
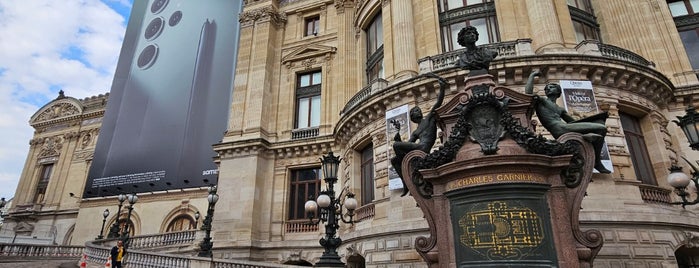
[
  {"x": 27, "y": 251},
  {"x": 147, "y": 251},
  {"x": 654, "y": 194},
  {"x": 506, "y": 51},
  {"x": 163, "y": 240},
  {"x": 304, "y": 133}
]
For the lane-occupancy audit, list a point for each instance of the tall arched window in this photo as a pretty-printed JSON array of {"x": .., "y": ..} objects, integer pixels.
[
  {"x": 637, "y": 149},
  {"x": 367, "y": 166},
  {"x": 584, "y": 20},
  {"x": 686, "y": 16},
  {"x": 457, "y": 14},
  {"x": 374, "y": 42}
]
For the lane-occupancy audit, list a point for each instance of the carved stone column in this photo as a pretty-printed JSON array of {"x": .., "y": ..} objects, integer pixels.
[{"x": 404, "y": 55}]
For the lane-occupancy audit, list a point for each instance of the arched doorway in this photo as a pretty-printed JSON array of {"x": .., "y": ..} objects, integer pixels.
[
  {"x": 355, "y": 261},
  {"x": 687, "y": 257}
]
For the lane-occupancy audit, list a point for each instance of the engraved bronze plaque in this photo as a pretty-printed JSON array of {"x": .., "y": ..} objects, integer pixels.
[{"x": 506, "y": 225}]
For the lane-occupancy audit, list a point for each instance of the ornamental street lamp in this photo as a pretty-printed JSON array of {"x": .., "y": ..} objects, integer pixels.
[
  {"x": 196, "y": 219},
  {"x": 105, "y": 214},
  {"x": 114, "y": 230},
  {"x": 690, "y": 126},
  {"x": 206, "y": 245},
  {"x": 683, "y": 184},
  {"x": 331, "y": 212},
  {"x": 133, "y": 198}
]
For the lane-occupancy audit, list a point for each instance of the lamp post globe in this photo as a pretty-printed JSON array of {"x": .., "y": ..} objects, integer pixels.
[{"x": 105, "y": 214}]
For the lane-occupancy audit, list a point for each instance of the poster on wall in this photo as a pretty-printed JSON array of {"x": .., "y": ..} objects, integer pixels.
[
  {"x": 579, "y": 101},
  {"x": 396, "y": 116},
  {"x": 169, "y": 98}
]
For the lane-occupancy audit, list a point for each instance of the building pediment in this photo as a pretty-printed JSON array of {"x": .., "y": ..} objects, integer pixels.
[
  {"x": 59, "y": 109},
  {"x": 311, "y": 51}
]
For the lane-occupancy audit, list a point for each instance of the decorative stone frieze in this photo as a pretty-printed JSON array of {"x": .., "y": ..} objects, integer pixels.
[
  {"x": 58, "y": 110},
  {"x": 82, "y": 156},
  {"x": 73, "y": 135},
  {"x": 51, "y": 146},
  {"x": 263, "y": 14},
  {"x": 340, "y": 5}
]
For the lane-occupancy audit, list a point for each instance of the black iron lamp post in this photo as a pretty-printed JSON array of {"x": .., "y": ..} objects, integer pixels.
[
  {"x": 133, "y": 198},
  {"x": 114, "y": 230},
  {"x": 206, "y": 245},
  {"x": 685, "y": 186},
  {"x": 331, "y": 212},
  {"x": 690, "y": 126},
  {"x": 105, "y": 214}
]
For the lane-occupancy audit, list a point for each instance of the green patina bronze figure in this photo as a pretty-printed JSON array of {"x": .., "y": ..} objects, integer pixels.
[
  {"x": 424, "y": 137},
  {"x": 558, "y": 122},
  {"x": 476, "y": 59}
]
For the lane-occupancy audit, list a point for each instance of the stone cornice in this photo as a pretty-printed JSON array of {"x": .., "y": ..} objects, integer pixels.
[
  {"x": 144, "y": 198},
  {"x": 291, "y": 148}
]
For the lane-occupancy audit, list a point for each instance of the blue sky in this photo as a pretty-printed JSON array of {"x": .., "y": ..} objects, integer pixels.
[{"x": 46, "y": 46}]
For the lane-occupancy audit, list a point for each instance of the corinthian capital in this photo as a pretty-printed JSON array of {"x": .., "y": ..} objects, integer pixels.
[{"x": 262, "y": 14}]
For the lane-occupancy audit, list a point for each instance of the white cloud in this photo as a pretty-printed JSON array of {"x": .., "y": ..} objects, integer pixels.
[{"x": 47, "y": 45}]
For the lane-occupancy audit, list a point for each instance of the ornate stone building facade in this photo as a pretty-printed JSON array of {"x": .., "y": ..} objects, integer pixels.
[{"x": 315, "y": 76}]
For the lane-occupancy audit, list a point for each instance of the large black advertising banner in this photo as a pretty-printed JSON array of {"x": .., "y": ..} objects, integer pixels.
[{"x": 169, "y": 99}]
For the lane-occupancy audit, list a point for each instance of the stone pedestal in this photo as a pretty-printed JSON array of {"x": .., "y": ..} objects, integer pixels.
[{"x": 496, "y": 194}]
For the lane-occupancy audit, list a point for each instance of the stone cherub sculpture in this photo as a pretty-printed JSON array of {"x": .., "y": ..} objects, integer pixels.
[
  {"x": 558, "y": 122},
  {"x": 476, "y": 59},
  {"x": 424, "y": 136}
]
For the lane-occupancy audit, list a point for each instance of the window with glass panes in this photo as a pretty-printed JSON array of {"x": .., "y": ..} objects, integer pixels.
[
  {"x": 686, "y": 15},
  {"x": 584, "y": 21},
  {"x": 312, "y": 25},
  {"x": 374, "y": 42},
  {"x": 44, "y": 178},
  {"x": 181, "y": 223},
  {"x": 308, "y": 100},
  {"x": 637, "y": 149},
  {"x": 455, "y": 15},
  {"x": 304, "y": 183},
  {"x": 367, "y": 166}
]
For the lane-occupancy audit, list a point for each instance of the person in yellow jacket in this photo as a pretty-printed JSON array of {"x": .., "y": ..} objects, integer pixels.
[{"x": 117, "y": 254}]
